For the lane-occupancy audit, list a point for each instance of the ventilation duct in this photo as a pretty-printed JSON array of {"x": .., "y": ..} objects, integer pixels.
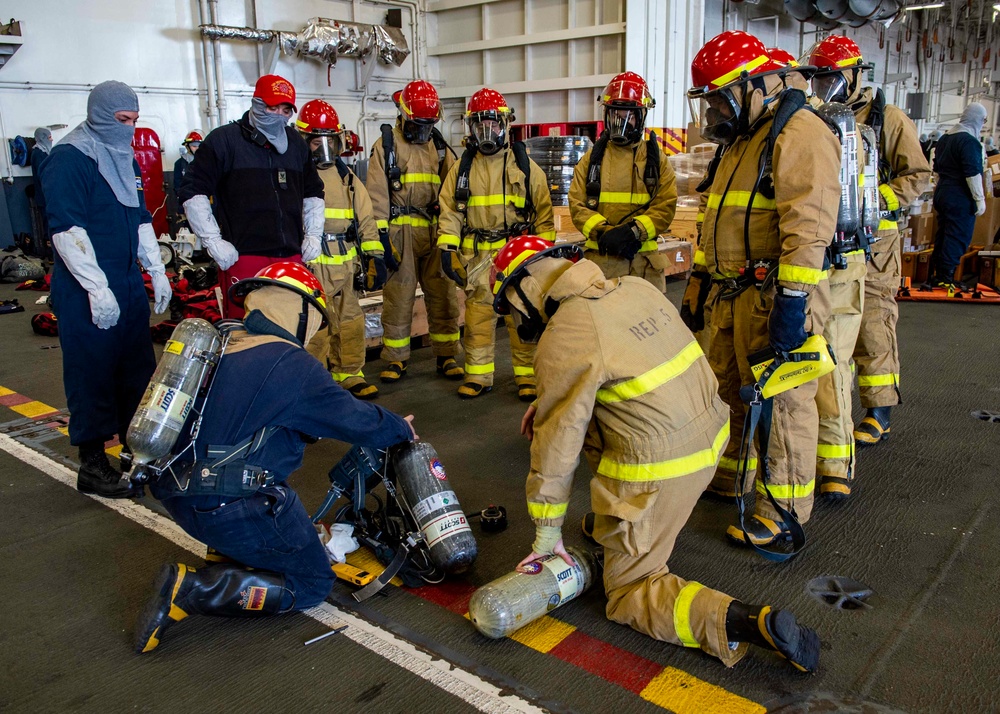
[
  {"x": 324, "y": 40},
  {"x": 830, "y": 14}
]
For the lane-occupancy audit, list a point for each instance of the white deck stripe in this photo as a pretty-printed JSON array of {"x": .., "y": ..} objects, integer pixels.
[{"x": 462, "y": 684}]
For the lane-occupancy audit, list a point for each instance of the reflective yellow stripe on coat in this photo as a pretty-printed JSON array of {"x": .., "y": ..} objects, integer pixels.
[
  {"x": 336, "y": 259},
  {"x": 654, "y": 378},
  {"x": 671, "y": 468}
]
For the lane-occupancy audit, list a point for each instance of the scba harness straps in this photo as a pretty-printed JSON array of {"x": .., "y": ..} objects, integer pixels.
[{"x": 650, "y": 177}]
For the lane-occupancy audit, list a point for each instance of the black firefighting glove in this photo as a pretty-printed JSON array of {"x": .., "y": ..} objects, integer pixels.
[
  {"x": 693, "y": 303},
  {"x": 786, "y": 325},
  {"x": 392, "y": 255},
  {"x": 623, "y": 241},
  {"x": 373, "y": 272},
  {"x": 451, "y": 266}
]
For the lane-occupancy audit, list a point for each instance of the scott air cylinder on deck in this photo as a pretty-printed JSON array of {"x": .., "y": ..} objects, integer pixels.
[
  {"x": 512, "y": 601},
  {"x": 189, "y": 355},
  {"x": 424, "y": 487}
]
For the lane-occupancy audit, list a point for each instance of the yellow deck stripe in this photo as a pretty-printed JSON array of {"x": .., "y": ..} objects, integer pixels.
[
  {"x": 543, "y": 634},
  {"x": 32, "y": 409},
  {"x": 682, "y": 693},
  {"x": 5, "y": 392}
]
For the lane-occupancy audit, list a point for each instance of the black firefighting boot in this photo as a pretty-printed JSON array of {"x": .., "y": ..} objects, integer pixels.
[
  {"x": 874, "y": 427},
  {"x": 449, "y": 368},
  {"x": 774, "y": 630},
  {"x": 393, "y": 372},
  {"x": 223, "y": 589},
  {"x": 97, "y": 476}
]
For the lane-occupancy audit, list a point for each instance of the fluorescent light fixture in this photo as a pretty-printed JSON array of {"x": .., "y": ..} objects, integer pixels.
[{"x": 931, "y": 6}]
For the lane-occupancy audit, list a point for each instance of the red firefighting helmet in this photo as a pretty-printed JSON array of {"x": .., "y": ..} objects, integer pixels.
[
  {"x": 485, "y": 102},
  {"x": 45, "y": 324},
  {"x": 837, "y": 52},
  {"x": 275, "y": 90},
  {"x": 419, "y": 102},
  {"x": 292, "y": 276},
  {"x": 193, "y": 137},
  {"x": 510, "y": 263},
  {"x": 627, "y": 90},
  {"x": 318, "y": 118},
  {"x": 780, "y": 55},
  {"x": 728, "y": 58}
]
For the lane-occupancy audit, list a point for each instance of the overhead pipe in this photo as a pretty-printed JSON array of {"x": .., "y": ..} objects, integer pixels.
[
  {"x": 220, "y": 82},
  {"x": 207, "y": 59}
]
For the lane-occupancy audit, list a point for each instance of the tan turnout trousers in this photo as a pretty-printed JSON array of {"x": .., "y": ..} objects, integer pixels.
[{"x": 835, "y": 452}]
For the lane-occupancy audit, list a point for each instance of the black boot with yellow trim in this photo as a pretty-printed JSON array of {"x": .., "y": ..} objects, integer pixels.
[
  {"x": 362, "y": 390},
  {"x": 449, "y": 368},
  {"x": 762, "y": 531},
  {"x": 471, "y": 390},
  {"x": 393, "y": 372},
  {"x": 775, "y": 630},
  {"x": 527, "y": 392},
  {"x": 874, "y": 427},
  {"x": 222, "y": 589}
]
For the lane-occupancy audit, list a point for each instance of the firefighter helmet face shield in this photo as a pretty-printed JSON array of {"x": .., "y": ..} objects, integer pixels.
[
  {"x": 325, "y": 149},
  {"x": 624, "y": 124},
  {"x": 418, "y": 131},
  {"x": 831, "y": 87},
  {"x": 488, "y": 130},
  {"x": 718, "y": 112}
]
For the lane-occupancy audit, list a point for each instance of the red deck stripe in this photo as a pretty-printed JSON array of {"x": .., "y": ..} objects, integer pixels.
[
  {"x": 451, "y": 594},
  {"x": 608, "y": 662},
  {"x": 12, "y": 400}
]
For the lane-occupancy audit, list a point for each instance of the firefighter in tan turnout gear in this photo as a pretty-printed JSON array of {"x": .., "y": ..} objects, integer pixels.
[
  {"x": 624, "y": 193},
  {"x": 620, "y": 378},
  {"x": 903, "y": 175},
  {"x": 350, "y": 238},
  {"x": 405, "y": 172},
  {"x": 769, "y": 217},
  {"x": 492, "y": 195}
]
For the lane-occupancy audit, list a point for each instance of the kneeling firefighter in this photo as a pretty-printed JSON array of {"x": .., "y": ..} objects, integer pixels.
[
  {"x": 350, "y": 237},
  {"x": 229, "y": 486},
  {"x": 624, "y": 193},
  {"x": 495, "y": 193},
  {"x": 770, "y": 213},
  {"x": 621, "y": 379}
]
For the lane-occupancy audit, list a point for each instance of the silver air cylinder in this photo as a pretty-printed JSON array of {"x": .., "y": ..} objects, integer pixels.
[
  {"x": 841, "y": 119},
  {"x": 187, "y": 358},
  {"x": 424, "y": 487},
  {"x": 515, "y": 599},
  {"x": 869, "y": 180}
]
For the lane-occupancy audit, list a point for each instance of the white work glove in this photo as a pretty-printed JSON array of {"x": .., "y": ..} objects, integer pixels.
[
  {"x": 311, "y": 248},
  {"x": 77, "y": 252},
  {"x": 104, "y": 308},
  {"x": 202, "y": 221},
  {"x": 149, "y": 256},
  {"x": 975, "y": 184},
  {"x": 313, "y": 216},
  {"x": 162, "y": 292}
]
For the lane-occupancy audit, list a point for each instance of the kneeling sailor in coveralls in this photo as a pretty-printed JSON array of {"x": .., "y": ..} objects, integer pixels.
[{"x": 268, "y": 396}]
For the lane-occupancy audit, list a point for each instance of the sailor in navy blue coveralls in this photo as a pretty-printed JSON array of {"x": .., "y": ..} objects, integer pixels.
[
  {"x": 265, "y": 380},
  {"x": 958, "y": 159},
  {"x": 105, "y": 371}
]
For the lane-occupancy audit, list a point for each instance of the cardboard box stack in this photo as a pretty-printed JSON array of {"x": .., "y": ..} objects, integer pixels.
[{"x": 988, "y": 224}]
